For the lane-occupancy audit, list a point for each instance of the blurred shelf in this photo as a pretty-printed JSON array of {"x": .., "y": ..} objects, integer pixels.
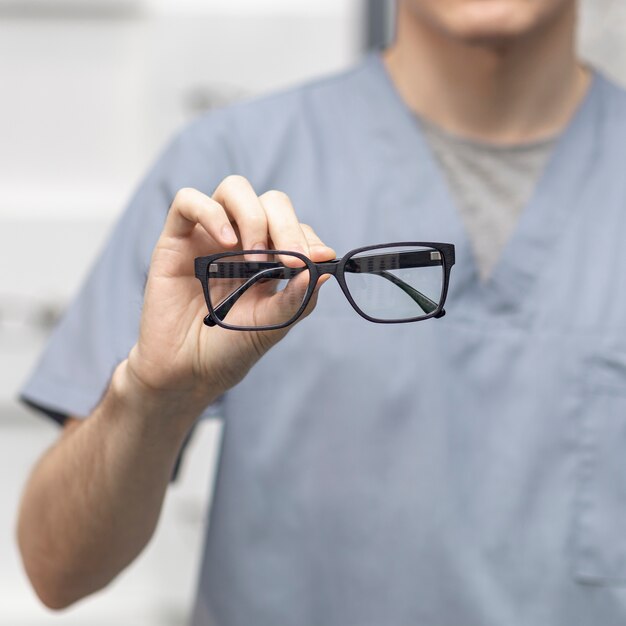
[{"x": 69, "y": 9}]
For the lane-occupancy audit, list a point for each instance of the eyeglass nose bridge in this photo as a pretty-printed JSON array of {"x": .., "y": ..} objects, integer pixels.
[{"x": 328, "y": 267}]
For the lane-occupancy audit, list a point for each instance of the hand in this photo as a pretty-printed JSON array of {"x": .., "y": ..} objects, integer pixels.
[{"x": 176, "y": 353}]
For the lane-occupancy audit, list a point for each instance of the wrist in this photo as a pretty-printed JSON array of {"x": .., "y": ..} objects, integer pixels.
[{"x": 171, "y": 410}]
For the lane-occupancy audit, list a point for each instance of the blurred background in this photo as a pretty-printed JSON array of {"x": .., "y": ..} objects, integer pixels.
[{"x": 90, "y": 92}]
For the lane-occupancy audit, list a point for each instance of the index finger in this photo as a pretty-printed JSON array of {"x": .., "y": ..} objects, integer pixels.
[{"x": 191, "y": 207}]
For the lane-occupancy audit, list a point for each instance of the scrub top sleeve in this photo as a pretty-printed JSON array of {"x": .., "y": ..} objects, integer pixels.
[{"x": 101, "y": 325}]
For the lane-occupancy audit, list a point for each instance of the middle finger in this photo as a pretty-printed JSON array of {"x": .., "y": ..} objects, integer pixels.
[
  {"x": 283, "y": 225},
  {"x": 243, "y": 207}
]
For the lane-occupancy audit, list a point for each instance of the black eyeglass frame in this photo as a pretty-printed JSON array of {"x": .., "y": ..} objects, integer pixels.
[{"x": 335, "y": 267}]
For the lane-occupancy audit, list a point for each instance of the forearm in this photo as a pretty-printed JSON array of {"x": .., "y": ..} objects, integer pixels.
[{"x": 93, "y": 501}]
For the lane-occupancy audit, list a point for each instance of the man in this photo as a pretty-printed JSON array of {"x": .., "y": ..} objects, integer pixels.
[{"x": 468, "y": 470}]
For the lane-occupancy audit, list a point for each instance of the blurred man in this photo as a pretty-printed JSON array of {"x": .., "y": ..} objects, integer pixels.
[{"x": 468, "y": 470}]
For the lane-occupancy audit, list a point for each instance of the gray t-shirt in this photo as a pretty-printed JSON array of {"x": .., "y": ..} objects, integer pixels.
[
  {"x": 465, "y": 470},
  {"x": 490, "y": 185}
]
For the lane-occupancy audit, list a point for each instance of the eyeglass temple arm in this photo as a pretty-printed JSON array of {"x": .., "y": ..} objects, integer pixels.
[
  {"x": 423, "y": 301},
  {"x": 257, "y": 272}
]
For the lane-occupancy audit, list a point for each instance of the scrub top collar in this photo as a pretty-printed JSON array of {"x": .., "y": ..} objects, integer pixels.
[{"x": 554, "y": 203}]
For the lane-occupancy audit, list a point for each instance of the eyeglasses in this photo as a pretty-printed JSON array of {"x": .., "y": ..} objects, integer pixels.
[{"x": 386, "y": 283}]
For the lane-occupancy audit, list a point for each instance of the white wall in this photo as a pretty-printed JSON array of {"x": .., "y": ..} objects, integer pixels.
[{"x": 87, "y": 103}]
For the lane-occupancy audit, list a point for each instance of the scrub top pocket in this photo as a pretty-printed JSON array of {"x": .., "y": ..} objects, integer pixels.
[{"x": 600, "y": 502}]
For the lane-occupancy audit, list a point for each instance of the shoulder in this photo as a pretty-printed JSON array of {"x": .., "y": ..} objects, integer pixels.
[{"x": 286, "y": 106}]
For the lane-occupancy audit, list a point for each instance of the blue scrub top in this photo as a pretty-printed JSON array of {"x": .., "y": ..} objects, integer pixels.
[{"x": 469, "y": 470}]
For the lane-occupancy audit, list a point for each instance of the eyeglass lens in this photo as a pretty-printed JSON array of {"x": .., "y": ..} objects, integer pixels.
[
  {"x": 259, "y": 283},
  {"x": 396, "y": 283}
]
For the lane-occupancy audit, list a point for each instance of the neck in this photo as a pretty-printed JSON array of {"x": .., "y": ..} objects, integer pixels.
[{"x": 507, "y": 92}]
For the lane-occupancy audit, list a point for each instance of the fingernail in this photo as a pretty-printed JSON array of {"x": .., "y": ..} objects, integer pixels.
[
  {"x": 228, "y": 234},
  {"x": 259, "y": 246}
]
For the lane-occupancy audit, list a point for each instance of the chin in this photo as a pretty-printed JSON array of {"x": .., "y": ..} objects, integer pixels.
[{"x": 488, "y": 21}]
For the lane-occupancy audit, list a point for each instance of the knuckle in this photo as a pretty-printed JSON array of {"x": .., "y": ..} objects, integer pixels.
[
  {"x": 276, "y": 196},
  {"x": 234, "y": 181},
  {"x": 184, "y": 195}
]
